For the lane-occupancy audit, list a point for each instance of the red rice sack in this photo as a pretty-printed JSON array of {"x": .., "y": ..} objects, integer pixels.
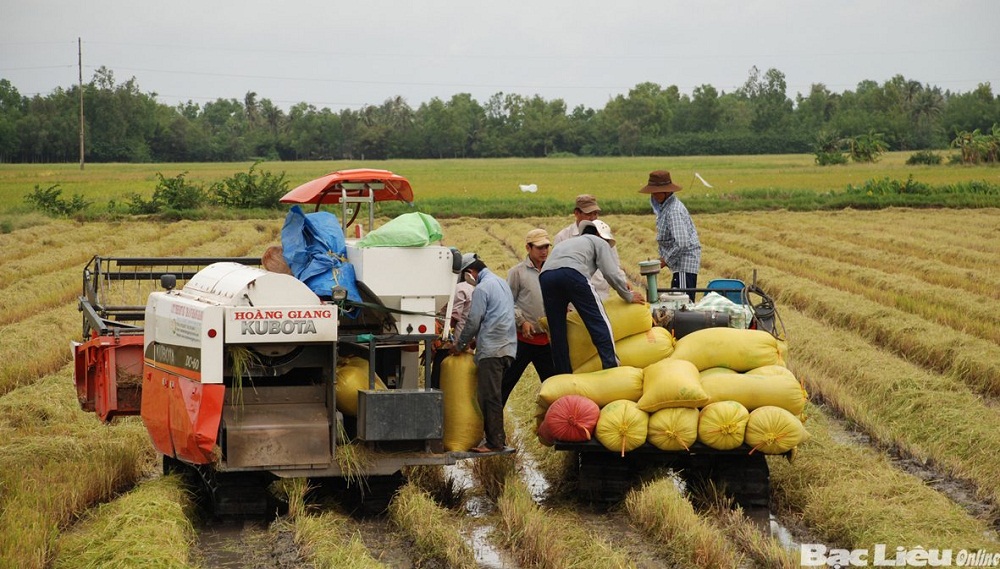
[
  {"x": 671, "y": 383},
  {"x": 733, "y": 348},
  {"x": 673, "y": 429},
  {"x": 544, "y": 434},
  {"x": 622, "y": 426},
  {"x": 723, "y": 424},
  {"x": 463, "y": 420},
  {"x": 637, "y": 350},
  {"x": 601, "y": 387},
  {"x": 572, "y": 419},
  {"x": 773, "y": 430}
]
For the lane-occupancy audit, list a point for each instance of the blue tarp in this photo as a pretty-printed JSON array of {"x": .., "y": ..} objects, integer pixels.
[{"x": 315, "y": 249}]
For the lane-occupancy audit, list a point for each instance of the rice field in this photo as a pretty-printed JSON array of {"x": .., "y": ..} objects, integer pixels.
[{"x": 890, "y": 325}]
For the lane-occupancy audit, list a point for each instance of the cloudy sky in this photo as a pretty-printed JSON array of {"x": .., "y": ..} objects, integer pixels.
[{"x": 341, "y": 54}]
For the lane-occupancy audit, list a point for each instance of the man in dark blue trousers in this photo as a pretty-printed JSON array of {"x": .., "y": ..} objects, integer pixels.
[{"x": 565, "y": 279}]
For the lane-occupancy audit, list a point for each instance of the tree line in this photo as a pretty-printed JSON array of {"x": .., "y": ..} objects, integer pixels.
[{"x": 124, "y": 124}]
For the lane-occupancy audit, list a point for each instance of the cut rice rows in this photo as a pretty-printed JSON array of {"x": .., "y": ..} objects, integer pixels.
[{"x": 888, "y": 326}]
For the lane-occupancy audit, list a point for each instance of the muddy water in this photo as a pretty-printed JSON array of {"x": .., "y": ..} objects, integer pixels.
[
  {"x": 246, "y": 544},
  {"x": 479, "y": 508}
]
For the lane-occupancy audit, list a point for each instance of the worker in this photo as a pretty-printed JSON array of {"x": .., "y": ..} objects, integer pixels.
[
  {"x": 461, "y": 301},
  {"x": 532, "y": 341},
  {"x": 565, "y": 278},
  {"x": 586, "y": 208},
  {"x": 676, "y": 236},
  {"x": 491, "y": 323}
]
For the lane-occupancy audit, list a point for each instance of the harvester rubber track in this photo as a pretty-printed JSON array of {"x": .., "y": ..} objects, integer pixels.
[{"x": 227, "y": 495}]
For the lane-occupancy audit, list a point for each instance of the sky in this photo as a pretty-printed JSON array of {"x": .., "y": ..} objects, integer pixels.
[{"x": 339, "y": 54}]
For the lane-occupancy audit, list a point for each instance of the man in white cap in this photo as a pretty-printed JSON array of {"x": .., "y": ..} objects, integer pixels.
[
  {"x": 532, "y": 341},
  {"x": 586, "y": 209},
  {"x": 491, "y": 323},
  {"x": 565, "y": 278}
]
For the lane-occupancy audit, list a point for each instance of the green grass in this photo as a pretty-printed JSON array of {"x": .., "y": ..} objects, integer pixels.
[{"x": 445, "y": 187}]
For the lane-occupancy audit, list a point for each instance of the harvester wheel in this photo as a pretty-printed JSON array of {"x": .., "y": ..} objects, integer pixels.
[
  {"x": 368, "y": 497},
  {"x": 226, "y": 494}
]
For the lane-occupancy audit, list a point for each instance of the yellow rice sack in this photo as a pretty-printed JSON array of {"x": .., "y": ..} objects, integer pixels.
[
  {"x": 601, "y": 387},
  {"x": 671, "y": 383},
  {"x": 733, "y": 348},
  {"x": 716, "y": 370},
  {"x": 723, "y": 424},
  {"x": 773, "y": 430},
  {"x": 637, "y": 350},
  {"x": 352, "y": 376},
  {"x": 626, "y": 320},
  {"x": 673, "y": 429},
  {"x": 771, "y": 370},
  {"x": 463, "y": 420},
  {"x": 753, "y": 391},
  {"x": 622, "y": 426}
]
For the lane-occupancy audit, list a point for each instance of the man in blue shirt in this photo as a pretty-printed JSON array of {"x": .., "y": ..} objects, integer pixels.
[
  {"x": 676, "y": 236},
  {"x": 491, "y": 323}
]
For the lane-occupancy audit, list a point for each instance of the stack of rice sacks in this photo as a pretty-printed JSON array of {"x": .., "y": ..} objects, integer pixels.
[{"x": 722, "y": 387}]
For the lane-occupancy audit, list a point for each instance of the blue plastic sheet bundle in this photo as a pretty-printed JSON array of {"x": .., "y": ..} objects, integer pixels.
[{"x": 315, "y": 249}]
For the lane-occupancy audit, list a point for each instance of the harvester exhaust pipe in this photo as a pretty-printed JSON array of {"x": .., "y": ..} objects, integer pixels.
[{"x": 650, "y": 268}]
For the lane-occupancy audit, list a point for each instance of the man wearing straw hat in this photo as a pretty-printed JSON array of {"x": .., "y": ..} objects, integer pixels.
[{"x": 676, "y": 236}]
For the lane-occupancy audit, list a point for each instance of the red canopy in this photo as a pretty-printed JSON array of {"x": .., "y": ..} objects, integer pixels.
[{"x": 358, "y": 182}]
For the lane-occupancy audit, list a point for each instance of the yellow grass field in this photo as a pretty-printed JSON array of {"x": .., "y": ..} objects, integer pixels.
[{"x": 890, "y": 323}]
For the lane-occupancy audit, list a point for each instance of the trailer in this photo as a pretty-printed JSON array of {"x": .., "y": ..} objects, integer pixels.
[{"x": 604, "y": 476}]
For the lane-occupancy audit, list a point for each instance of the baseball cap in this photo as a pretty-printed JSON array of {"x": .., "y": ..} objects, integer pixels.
[
  {"x": 603, "y": 230},
  {"x": 468, "y": 259},
  {"x": 538, "y": 237},
  {"x": 587, "y": 203}
]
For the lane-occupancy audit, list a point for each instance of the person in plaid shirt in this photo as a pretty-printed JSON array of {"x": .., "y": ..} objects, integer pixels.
[{"x": 676, "y": 235}]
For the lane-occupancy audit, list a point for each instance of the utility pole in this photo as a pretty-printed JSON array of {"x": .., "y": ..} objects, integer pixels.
[{"x": 79, "y": 67}]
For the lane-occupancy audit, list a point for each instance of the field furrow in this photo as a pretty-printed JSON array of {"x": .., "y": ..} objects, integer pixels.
[
  {"x": 913, "y": 338},
  {"x": 915, "y": 264},
  {"x": 61, "y": 285},
  {"x": 963, "y": 313},
  {"x": 56, "y": 461},
  {"x": 964, "y": 237},
  {"x": 929, "y": 415},
  {"x": 73, "y": 246},
  {"x": 902, "y": 234}
]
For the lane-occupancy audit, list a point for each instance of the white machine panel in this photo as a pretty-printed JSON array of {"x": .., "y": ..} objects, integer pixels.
[
  {"x": 182, "y": 335},
  {"x": 233, "y": 284},
  {"x": 411, "y": 279}
]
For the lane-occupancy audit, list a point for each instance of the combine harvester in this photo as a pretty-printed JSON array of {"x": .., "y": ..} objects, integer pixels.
[{"x": 239, "y": 372}]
